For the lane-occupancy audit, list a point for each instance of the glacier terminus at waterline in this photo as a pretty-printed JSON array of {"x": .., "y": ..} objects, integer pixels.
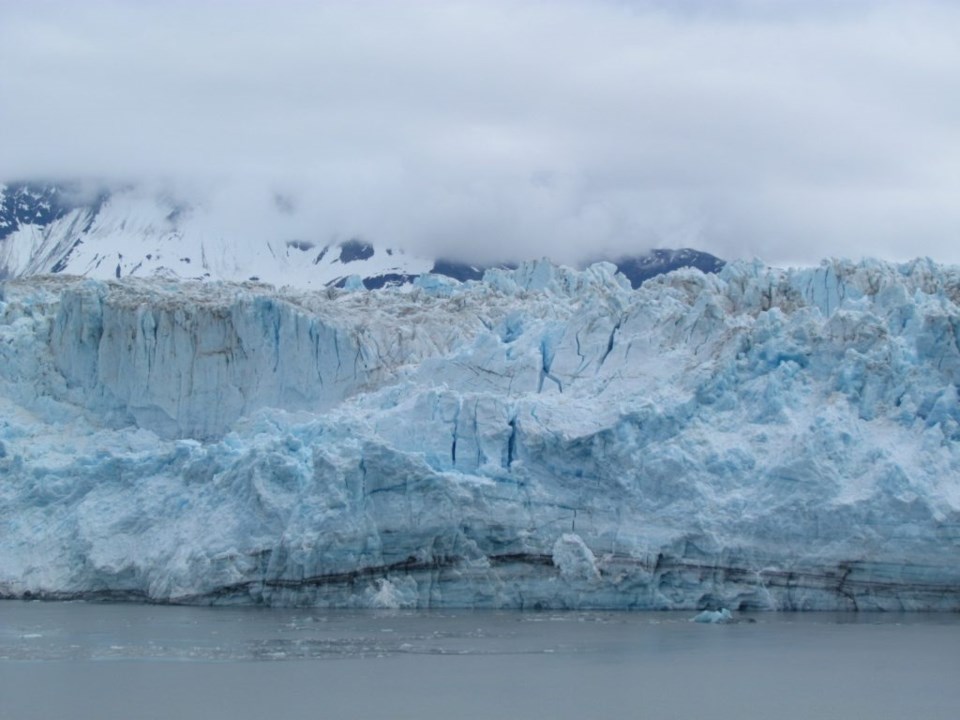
[{"x": 755, "y": 439}]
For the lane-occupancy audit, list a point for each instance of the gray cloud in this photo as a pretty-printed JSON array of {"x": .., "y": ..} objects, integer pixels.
[{"x": 786, "y": 130}]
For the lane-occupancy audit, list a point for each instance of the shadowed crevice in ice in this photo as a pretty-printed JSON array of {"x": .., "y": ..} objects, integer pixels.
[{"x": 754, "y": 439}]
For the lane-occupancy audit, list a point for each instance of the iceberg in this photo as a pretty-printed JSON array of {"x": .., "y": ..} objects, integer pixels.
[{"x": 543, "y": 438}]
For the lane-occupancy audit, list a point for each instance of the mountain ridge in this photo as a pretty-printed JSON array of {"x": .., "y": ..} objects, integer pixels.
[{"x": 128, "y": 232}]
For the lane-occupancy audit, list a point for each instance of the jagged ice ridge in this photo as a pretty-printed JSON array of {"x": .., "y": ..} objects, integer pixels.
[{"x": 759, "y": 438}]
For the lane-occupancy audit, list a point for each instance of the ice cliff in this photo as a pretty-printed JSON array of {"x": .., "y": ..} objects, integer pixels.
[{"x": 758, "y": 438}]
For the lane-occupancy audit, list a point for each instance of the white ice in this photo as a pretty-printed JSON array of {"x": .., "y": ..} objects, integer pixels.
[{"x": 759, "y": 438}]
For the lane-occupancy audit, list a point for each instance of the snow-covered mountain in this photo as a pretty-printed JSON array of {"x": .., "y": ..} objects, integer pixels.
[
  {"x": 755, "y": 438},
  {"x": 136, "y": 232}
]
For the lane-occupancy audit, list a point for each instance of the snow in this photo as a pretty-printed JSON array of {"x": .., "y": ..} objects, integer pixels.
[
  {"x": 137, "y": 233},
  {"x": 143, "y": 232},
  {"x": 760, "y": 438}
]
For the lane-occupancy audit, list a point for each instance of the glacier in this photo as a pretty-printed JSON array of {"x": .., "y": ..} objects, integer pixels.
[{"x": 759, "y": 438}]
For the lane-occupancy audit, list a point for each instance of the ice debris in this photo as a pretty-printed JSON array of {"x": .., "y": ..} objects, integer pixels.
[{"x": 715, "y": 617}]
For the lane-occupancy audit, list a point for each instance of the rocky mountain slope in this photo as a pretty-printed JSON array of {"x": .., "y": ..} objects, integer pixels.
[{"x": 134, "y": 232}]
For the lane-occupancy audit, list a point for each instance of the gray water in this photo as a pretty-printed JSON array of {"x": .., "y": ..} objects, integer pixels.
[{"x": 77, "y": 661}]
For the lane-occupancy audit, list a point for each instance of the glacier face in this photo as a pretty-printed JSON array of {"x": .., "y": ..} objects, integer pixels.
[{"x": 759, "y": 438}]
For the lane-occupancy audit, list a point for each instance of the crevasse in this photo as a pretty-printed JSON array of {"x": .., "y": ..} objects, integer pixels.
[{"x": 760, "y": 438}]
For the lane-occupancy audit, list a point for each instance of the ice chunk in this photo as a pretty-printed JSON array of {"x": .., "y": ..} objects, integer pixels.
[
  {"x": 714, "y": 616},
  {"x": 574, "y": 559}
]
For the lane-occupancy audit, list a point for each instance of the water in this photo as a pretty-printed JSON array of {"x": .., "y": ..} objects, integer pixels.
[{"x": 78, "y": 661}]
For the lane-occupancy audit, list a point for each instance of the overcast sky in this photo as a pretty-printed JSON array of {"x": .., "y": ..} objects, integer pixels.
[{"x": 784, "y": 130}]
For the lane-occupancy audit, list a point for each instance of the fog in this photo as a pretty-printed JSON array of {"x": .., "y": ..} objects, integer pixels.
[{"x": 784, "y": 130}]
